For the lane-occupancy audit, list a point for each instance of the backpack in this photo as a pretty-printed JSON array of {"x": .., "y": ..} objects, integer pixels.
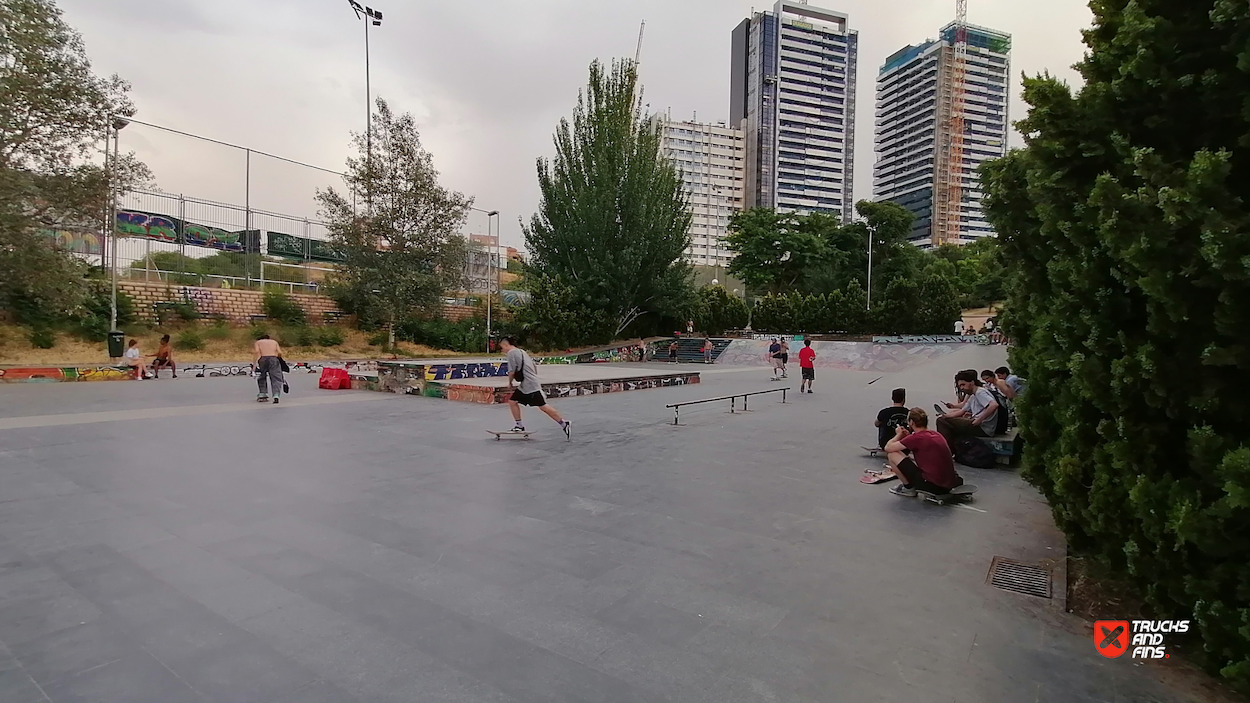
[
  {"x": 1002, "y": 419},
  {"x": 971, "y": 451}
]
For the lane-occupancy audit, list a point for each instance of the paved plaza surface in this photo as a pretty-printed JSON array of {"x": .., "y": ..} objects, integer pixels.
[{"x": 167, "y": 541}]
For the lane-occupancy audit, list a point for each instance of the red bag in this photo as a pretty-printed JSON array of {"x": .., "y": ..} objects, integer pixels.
[{"x": 334, "y": 379}]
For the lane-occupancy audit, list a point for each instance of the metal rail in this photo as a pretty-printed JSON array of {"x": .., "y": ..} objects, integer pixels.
[{"x": 733, "y": 399}]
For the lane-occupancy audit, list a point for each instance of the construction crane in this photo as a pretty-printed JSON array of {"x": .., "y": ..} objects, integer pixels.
[
  {"x": 638, "y": 51},
  {"x": 948, "y": 220}
]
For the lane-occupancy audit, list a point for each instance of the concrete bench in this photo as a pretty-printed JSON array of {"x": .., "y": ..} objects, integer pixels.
[{"x": 1006, "y": 446}]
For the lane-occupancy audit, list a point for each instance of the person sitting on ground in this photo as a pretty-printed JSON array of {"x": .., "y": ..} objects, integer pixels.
[
  {"x": 133, "y": 357},
  {"x": 164, "y": 358},
  {"x": 975, "y": 416},
  {"x": 929, "y": 467},
  {"x": 891, "y": 418},
  {"x": 1012, "y": 385}
]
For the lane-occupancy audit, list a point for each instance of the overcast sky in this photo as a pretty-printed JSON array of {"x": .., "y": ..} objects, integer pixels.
[{"x": 487, "y": 80}]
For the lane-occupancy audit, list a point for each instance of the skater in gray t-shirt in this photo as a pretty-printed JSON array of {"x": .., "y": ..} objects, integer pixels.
[{"x": 523, "y": 373}]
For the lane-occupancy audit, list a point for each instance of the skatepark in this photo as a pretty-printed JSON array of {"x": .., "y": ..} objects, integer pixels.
[{"x": 173, "y": 540}]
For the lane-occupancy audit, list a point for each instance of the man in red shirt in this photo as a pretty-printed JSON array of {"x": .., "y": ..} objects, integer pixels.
[
  {"x": 807, "y": 364},
  {"x": 930, "y": 467}
]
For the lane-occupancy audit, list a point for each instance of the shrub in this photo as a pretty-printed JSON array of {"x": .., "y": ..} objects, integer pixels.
[
  {"x": 380, "y": 339},
  {"x": 186, "y": 311},
  {"x": 92, "y": 324},
  {"x": 329, "y": 337},
  {"x": 189, "y": 340},
  {"x": 297, "y": 337},
  {"x": 42, "y": 338},
  {"x": 280, "y": 307},
  {"x": 218, "y": 331},
  {"x": 257, "y": 331},
  {"x": 463, "y": 336}
]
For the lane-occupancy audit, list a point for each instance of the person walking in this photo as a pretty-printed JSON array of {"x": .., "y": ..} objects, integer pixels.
[
  {"x": 672, "y": 352},
  {"x": 523, "y": 374},
  {"x": 267, "y": 358},
  {"x": 707, "y": 350},
  {"x": 785, "y": 357},
  {"x": 807, "y": 365}
]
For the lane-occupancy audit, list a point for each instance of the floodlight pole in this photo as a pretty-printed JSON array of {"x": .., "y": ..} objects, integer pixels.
[{"x": 118, "y": 124}]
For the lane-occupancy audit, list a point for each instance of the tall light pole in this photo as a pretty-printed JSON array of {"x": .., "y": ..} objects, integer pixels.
[
  {"x": 371, "y": 17},
  {"x": 118, "y": 124},
  {"x": 498, "y": 285}
]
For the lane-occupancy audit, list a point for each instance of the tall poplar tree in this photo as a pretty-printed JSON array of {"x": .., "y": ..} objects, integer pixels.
[
  {"x": 612, "y": 223},
  {"x": 1126, "y": 225}
]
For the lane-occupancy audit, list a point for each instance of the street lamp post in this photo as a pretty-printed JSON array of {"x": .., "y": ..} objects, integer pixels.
[
  {"x": 497, "y": 276},
  {"x": 118, "y": 124},
  {"x": 371, "y": 17}
]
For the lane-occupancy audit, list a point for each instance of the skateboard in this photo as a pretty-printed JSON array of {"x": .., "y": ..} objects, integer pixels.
[
  {"x": 871, "y": 476},
  {"x": 509, "y": 433},
  {"x": 958, "y": 494},
  {"x": 872, "y": 451}
]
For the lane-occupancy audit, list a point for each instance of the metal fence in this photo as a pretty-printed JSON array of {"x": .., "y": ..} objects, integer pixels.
[{"x": 276, "y": 249}]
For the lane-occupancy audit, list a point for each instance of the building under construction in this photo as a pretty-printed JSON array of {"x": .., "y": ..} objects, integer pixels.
[{"x": 941, "y": 112}]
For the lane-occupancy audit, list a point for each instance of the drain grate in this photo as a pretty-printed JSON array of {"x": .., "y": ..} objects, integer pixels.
[{"x": 1019, "y": 577}]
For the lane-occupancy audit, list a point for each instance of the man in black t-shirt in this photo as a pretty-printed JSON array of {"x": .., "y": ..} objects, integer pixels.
[{"x": 891, "y": 418}]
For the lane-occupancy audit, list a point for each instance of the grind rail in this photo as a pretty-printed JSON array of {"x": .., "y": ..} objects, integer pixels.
[{"x": 733, "y": 399}]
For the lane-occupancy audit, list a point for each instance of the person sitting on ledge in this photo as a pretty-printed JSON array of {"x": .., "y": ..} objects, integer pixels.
[
  {"x": 134, "y": 358},
  {"x": 929, "y": 467},
  {"x": 974, "y": 416}
]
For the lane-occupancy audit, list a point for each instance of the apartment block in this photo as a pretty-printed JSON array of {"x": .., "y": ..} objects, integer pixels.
[{"x": 711, "y": 158}]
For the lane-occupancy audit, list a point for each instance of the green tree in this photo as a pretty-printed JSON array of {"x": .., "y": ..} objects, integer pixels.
[
  {"x": 1124, "y": 222},
  {"x": 402, "y": 251},
  {"x": 773, "y": 251},
  {"x": 53, "y": 113},
  {"x": 612, "y": 223},
  {"x": 718, "y": 310}
]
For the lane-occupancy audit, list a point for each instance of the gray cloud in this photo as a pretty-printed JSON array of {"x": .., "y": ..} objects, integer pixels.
[{"x": 487, "y": 80}]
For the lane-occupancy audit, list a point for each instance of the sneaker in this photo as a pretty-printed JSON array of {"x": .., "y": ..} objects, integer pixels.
[
  {"x": 809, "y": 390},
  {"x": 566, "y": 425},
  {"x": 517, "y": 428},
  {"x": 940, "y": 410},
  {"x": 175, "y": 376},
  {"x": 262, "y": 399},
  {"x": 275, "y": 401},
  {"x": 905, "y": 491}
]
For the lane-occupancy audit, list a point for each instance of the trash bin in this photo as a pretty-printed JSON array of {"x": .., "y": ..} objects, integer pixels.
[{"x": 117, "y": 343}]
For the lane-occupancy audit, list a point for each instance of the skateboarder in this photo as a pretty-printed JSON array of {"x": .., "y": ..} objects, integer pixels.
[
  {"x": 930, "y": 467},
  {"x": 774, "y": 356},
  {"x": 266, "y": 353},
  {"x": 807, "y": 365},
  {"x": 785, "y": 357},
  {"x": 523, "y": 373},
  {"x": 672, "y": 352}
]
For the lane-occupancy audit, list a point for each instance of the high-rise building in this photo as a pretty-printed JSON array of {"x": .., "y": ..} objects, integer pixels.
[
  {"x": 924, "y": 95},
  {"x": 793, "y": 86},
  {"x": 711, "y": 158}
]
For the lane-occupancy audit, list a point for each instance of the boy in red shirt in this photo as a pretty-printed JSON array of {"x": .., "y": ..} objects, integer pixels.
[
  {"x": 807, "y": 364},
  {"x": 930, "y": 467}
]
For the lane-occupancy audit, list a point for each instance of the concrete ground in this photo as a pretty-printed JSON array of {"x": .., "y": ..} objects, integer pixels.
[{"x": 171, "y": 541}]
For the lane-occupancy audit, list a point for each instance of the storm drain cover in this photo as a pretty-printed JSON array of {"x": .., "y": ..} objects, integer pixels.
[{"x": 1019, "y": 577}]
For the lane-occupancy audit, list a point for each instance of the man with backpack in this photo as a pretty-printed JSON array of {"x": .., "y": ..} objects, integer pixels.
[
  {"x": 523, "y": 373},
  {"x": 977, "y": 415}
]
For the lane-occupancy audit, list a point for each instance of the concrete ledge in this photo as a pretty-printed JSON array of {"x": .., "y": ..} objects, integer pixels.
[{"x": 59, "y": 374}]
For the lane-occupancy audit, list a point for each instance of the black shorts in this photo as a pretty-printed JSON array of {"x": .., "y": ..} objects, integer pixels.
[
  {"x": 916, "y": 480},
  {"x": 159, "y": 361},
  {"x": 785, "y": 358},
  {"x": 534, "y": 400},
  {"x": 809, "y": 374}
]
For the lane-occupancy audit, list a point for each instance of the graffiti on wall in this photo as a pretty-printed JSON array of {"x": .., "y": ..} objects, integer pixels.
[
  {"x": 451, "y": 372},
  {"x": 163, "y": 228},
  {"x": 53, "y": 374},
  {"x": 625, "y": 353},
  {"x": 74, "y": 241},
  {"x": 500, "y": 394},
  {"x": 932, "y": 339}
]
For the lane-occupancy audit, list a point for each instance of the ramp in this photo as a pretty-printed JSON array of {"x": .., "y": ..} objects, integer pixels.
[{"x": 856, "y": 356}]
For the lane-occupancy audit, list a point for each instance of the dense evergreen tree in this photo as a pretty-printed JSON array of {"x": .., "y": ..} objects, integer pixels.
[{"x": 1125, "y": 225}]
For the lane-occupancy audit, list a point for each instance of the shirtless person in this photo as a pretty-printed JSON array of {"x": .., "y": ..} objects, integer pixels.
[
  {"x": 164, "y": 358},
  {"x": 268, "y": 367}
]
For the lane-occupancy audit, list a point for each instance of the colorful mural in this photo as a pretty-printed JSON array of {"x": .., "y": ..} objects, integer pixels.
[
  {"x": 499, "y": 394},
  {"x": 54, "y": 374},
  {"x": 75, "y": 241},
  {"x": 136, "y": 223},
  {"x": 289, "y": 246},
  {"x": 625, "y": 353},
  {"x": 932, "y": 339},
  {"x": 451, "y": 372}
]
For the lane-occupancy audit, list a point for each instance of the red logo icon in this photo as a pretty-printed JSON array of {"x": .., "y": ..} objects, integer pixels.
[{"x": 1111, "y": 637}]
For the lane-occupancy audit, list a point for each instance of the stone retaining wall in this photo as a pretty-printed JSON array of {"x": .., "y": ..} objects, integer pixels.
[{"x": 235, "y": 305}]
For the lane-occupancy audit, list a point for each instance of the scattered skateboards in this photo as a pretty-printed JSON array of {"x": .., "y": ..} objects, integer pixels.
[
  {"x": 958, "y": 494},
  {"x": 509, "y": 433}
]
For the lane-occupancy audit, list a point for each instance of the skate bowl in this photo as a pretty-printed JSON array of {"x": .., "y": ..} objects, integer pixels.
[{"x": 856, "y": 356}]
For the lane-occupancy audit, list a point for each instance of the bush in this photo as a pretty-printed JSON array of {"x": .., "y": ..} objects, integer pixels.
[
  {"x": 189, "y": 340},
  {"x": 297, "y": 337},
  {"x": 329, "y": 337},
  {"x": 92, "y": 324},
  {"x": 218, "y": 331},
  {"x": 257, "y": 331},
  {"x": 280, "y": 307},
  {"x": 42, "y": 338},
  {"x": 463, "y": 336},
  {"x": 380, "y": 339},
  {"x": 716, "y": 310}
]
